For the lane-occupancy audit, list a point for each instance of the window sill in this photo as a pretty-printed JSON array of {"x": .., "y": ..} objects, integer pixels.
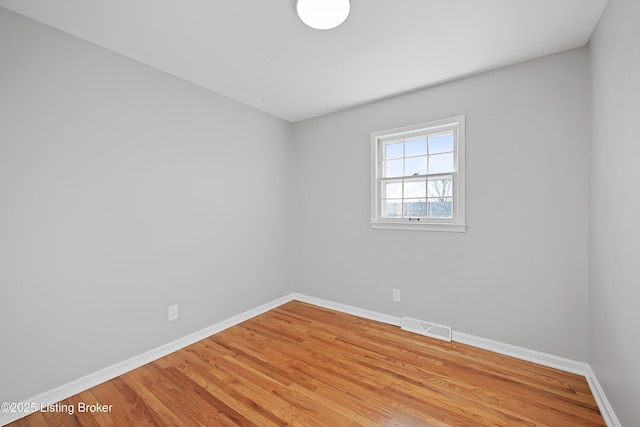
[{"x": 450, "y": 227}]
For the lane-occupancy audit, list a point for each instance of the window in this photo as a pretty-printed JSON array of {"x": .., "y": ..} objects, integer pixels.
[{"x": 417, "y": 176}]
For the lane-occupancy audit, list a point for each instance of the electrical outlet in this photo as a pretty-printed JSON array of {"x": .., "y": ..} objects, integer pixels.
[
  {"x": 396, "y": 295},
  {"x": 173, "y": 312}
]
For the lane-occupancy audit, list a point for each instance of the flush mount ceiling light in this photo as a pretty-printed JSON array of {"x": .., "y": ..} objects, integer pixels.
[{"x": 323, "y": 14}]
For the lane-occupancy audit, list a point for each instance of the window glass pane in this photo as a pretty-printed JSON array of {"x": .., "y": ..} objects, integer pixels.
[
  {"x": 415, "y": 147},
  {"x": 441, "y": 163},
  {"x": 393, "y": 150},
  {"x": 392, "y": 208},
  {"x": 441, "y": 143},
  {"x": 392, "y": 168},
  {"x": 415, "y": 208},
  {"x": 392, "y": 190},
  {"x": 442, "y": 187},
  {"x": 415, "y": 166},
  {"x": 440, "y": 208},
  {"x": 415, "y": 188}
]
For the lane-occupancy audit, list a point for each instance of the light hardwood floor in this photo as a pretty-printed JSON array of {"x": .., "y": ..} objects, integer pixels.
[{"x": 308, "y": 366}]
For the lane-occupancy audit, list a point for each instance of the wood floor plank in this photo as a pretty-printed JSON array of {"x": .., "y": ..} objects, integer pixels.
[
  {"x": 227, "y": 390},
  {"x": 33, "y": 420},
  {"x": 128, "y": 407},
  {"x": 303, "y": 365}
]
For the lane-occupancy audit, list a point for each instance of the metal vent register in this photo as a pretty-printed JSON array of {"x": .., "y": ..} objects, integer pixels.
[{"x": 429, "y": 329}]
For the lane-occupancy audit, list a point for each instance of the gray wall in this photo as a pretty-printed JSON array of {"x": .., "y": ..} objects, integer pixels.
[
  {"x": 124, "y": 190},
  {"x": 519, "y": 274},
  {"x": 614, "y": 211}
]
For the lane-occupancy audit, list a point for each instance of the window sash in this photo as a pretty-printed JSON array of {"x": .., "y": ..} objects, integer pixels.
[{"x": 426, "y": 196}]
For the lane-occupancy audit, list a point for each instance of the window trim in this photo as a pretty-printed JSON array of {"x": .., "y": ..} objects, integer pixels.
[{"x": 455, "y": 224}]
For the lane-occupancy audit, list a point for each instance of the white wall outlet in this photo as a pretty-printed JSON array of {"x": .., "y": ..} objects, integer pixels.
[
  {"x": 173, "y": 312},
  {"x": 396, "y": 295}
]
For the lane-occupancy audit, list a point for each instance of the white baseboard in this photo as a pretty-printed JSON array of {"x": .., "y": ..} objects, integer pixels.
[
  {"x": 603, "y": 403},
  {"x": 74, "y": 387},
  {"x": 544, "y": 359},
  {"x": 349, "y": 309},
  {"x": 81, "y": 384}
]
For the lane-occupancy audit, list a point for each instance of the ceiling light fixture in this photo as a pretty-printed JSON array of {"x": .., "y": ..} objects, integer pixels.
[{"x": 323, "y": 14}]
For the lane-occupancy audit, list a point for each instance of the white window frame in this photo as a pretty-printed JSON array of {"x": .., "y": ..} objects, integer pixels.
[{"x": 378, "y": 138}]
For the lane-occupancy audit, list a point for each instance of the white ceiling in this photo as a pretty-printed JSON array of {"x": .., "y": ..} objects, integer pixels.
[{"x": 259, "y": 53}]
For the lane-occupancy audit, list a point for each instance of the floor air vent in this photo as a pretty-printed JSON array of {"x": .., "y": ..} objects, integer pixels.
[{"x": 421, "y": 327}]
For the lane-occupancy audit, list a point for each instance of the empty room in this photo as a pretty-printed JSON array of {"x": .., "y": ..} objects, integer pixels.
[{"x": 319, "y": 212}]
